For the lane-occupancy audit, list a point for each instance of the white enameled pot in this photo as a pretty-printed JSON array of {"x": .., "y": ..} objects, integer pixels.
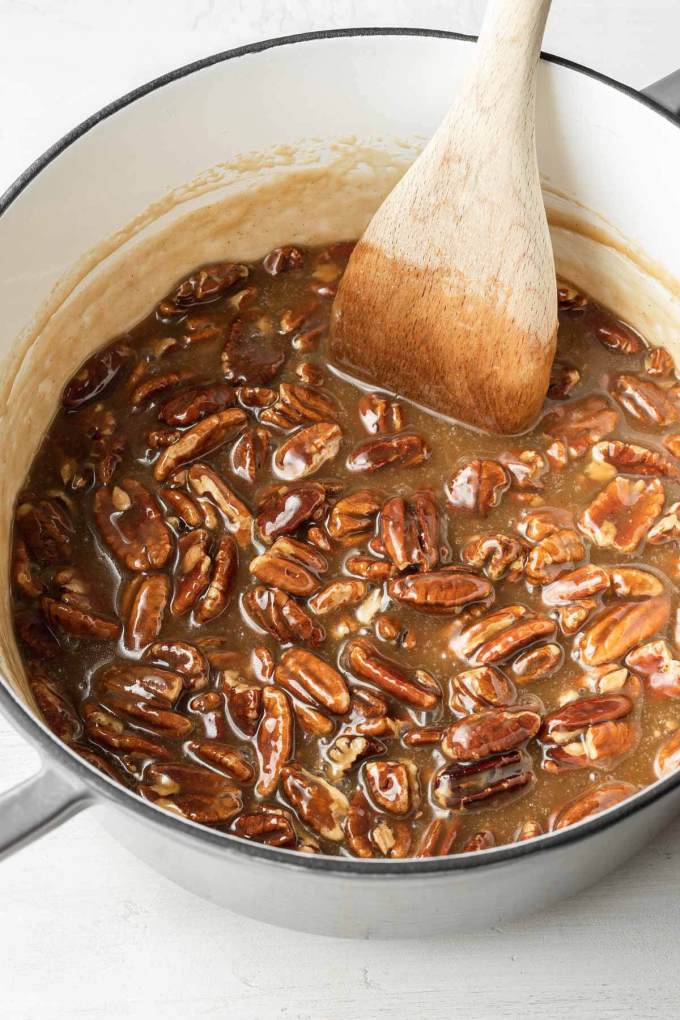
[{"x": 98, "y": 199}]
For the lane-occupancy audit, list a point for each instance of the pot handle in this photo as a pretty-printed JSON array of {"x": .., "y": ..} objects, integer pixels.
[
  {"x": 36, "y": 806},
  {"x": 666, "y": 92}
]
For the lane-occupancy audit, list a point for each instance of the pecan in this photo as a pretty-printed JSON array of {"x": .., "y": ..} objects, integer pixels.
[
  {"x": 291, "y": 566},
  {"x": 501, "y": 634},
  {"x": 103, "y": 727},
  {"x": 34, "y": 633},
  {"x": 459, "y": 786},
  {"x": 621, "y": 515},
  {"x": 79, "y": 621},
  {"x": 56, "y": 708},
  {"x": 573, "y": 615},
  {"x": 154, "y": 385},
  {"x": 312, "y": 680},
  {"x": 46, "y": 529},
  {"x": 581, "y": 423},
  {"x": 659, "y": 362},
  {"x": 200, "y": 327},
  {"x": 582, "y": 583},
  {"x": 478, "y": 486},
  {"x": 483, "y": 840},
  {"x": 271, "y": 826},
  {"x": 634, "y": 582},
  {"x": 410, "y": 531},
  {"x": 203, "y": 437},
  {"x": 563, "y": 379},
  {"x": 592, "y": 802},
  {"x": 630, "y": 459},
  {"x": 540, "y": 524},
  {"x": 245, "y": 706},
  {"x": 256, "y": 396},
  {"x": 352, "y": 518},
  {"x": 528, "y": 830},
  {"x": 274, "y": 739},
  {"x": 283, "y": 260},
  {"x": 144, "y": 602},
  {"x": 654, "y": 661},
  {"x": 311, "y": 720},
  {"x": 299, "y": 405},
  {"x": 95, "y": 376},
  {"x": 224, "y": 758},
  {"x": 369, "y": 568},
  {"x": 619, "y": 337},
  {"x": 617, "y": 629},
  {"x": 348, "y": 749},
  {"x": 367, "y": 833},
  {"x": 440, "y": 591},
  {"x": 193, "y": 570},
  {"x": 422, "y": 736},
  {"x": 672, "y": 443},
  {"x": 667, "y": 758},
  {"x": 284, "y": 510},
  {"x": 249, "y": 453},
  {"x": 191, "y": 791},
  {"x": 237, "y": 517},
  {"x": 206, "y": 284},
  {"x": 570, "y": 300},
  {"x": 195, "y": 404},
  {"x": 526, "y": 468},
  {"x": 337, "y": 595},
  {"x": 379, "y": 413},
  {"x": 307, "y": 450},
  {"x": 551, "y": 553},
  {"x": 212, "y": 720},
  {"x": 497, "y": 555},
  {"x": 537, "y": 663},
  {"x": 588, "y": 731},
  {"x": 23, "y": 575},
  {"x": 130, "y": 522},
  {"x": 365, "y": 662},
  {"x": 183, "y": 658},
  {"x": 309, "y": 373},
  {"x": 393, "y": 786},
  {"x": 668, "y": 528},
  {"x": 186, "y": 510},
  {"x": 280, "y": 615},
  {"x": 438, "y": 838},
  {"x": 488, "y": 733},
  {"x": 404, "y": 448},
  {"x": 644, "y": 400},
  {"x": 358, "y": 826},
  {"x": 319, "y": 805},
  {"x": 480, "y": 688}
]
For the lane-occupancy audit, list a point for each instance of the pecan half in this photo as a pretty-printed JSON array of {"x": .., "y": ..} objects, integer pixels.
[
  {"x": 307, "y": 450},
  {"x": 618, "y": 628},
  {"x": 631, "y": 459},
  {"x": 191, "y": 791},
  {"x": 592, "y": 802},
  {"x": 271, "y": 826},
  {"x": 369, "y": 568},
  {"x": 205, "y": 285},
  {"x": 352, "y": 517},
  {"x": 483, "y": 840},
  {"x": 582, "y": 583},
  {"x": 291, "y": 566},
  {"x": 310, "y": 678},
  {"x": 480, "y": 688},
  {"x": 588, "y": 731},
  {"x": 285, "y": 509},
  {"x": 283, "y": 260},
  {"x": 46, "y": 529},
  {"x": 55, "y": 706},
  {"x": 368, "y": 834},
  {"x": 477, "y": 487},
  {"x": 644, "y": 400},
  {"x": 193, "y": 570},
  {"x": 204, "y": 481},
  {"x": 438, "y": 838},
  {"x": 197, "y": 403},
  {"x": 277, "y": 613},
  {"x": 337, "y": 595},
  {"x": 404, "y": 448},
  {"x": 379, "y": 413},
  {"x": 497, "y": 555},
  {"x": 183, "y": 658},
  {"x": 668, "y": 528},
  {"x": 274, "y": 739},
  {"x": 667, "y": 758},
  {"x": 563, "y": 379},
  {"x": 460, "y": 786},
  {"x": 633, "y": 582},
  {"x": 299, "y": 405},
  {"x": 224, "y": 758},
  {"x": 153, "y": 386},
  {"x": 203, "y": 437},
  {"x": 440, "y": 591},
  {"x": 144, "y": 602},
  {"x": 654, "y": 661},
  {"x": 95, "y": 377},
  {"x": 552, "y": 553},
  {"x": 23, "y": 575},
  {"x": 105, "y": 728},
  {"x": 537, "y": 663},
  {"x": 581, "y": 423},
  {"x": 79, "y": 621},
  {"x": 409, "y": 531},
  {"x": 249, "y": 453},
  {"x": 393, "y": 786},
  {"x": 491, "y": 732},
  {"x": 621, "y": 515},
  {"x": 619, "y": 337},
  {"x": 348, "y": 749},
  {"x": 366, "y": 663},
  {"x": 130, "y": 522},
  {"x": 319, "y": 805},
  {"x": 659, "y": 362}
]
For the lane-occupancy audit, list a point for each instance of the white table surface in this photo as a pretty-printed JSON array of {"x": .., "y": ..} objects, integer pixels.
[{"x": 89, "y": 933}]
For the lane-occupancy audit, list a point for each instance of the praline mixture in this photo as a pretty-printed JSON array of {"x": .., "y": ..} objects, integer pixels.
[{"x": 304, "y": 612}]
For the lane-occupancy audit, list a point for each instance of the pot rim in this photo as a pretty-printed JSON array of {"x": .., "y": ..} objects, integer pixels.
[{"x": 109, "y": 790}]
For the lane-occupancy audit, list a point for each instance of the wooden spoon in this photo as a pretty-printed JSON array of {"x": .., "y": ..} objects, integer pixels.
[{"x": 449, "y": 297}]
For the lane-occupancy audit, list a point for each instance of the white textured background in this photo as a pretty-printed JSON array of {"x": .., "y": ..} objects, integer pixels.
[{"x": 89, "y": 933}]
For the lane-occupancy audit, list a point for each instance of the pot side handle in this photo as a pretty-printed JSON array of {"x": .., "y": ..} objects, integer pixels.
[
  {"x": 666, "y": 92},
  {"x": 36, "y": 806}
]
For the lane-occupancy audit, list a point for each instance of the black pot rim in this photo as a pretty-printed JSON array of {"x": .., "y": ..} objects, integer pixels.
[{"x": 38, "y": 734}]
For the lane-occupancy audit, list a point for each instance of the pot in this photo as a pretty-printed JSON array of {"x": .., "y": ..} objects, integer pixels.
[{"x": 328, "y": 122}]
